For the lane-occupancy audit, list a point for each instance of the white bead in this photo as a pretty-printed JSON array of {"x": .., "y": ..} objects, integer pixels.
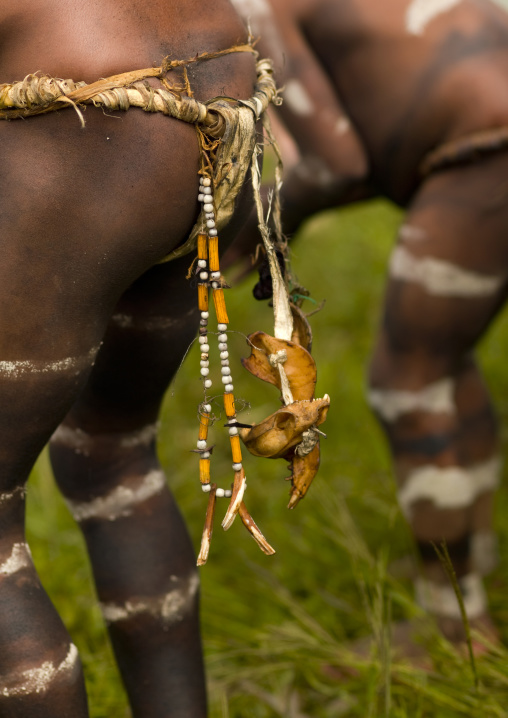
[
  {"x": 205, "y": 348},
  {"x": 201, "y": 444},
  {"x": 226, "y": 370},
  {"x": 202, "y": 263},
  {"x": 201, "y": 178},
  {"x": 237, "y": 467},
  {"x": 215, "y": 275},
  {"x": 208, "y": 207},
  {"x": 233, "y": 431},
  {"x": 222, "y": 327},
  {"x": 205, "y": 455},
  {"x": 223, "y": 338},
  {"x": 201, "y": 197},
  {"x": 203, "y": 275},
  {"x": 224, "y": 355},
  {"x": 207, "y": 190},
  {"x": 204, "y": 371},
  {"x": 205, "y": 315},
  {"x": 212, "y": 232},
  {"x": 207, "y": 181},
  {"x": 209, "y": 215},
  {"x": 224, "y": 362},
  {"x": 208, "y": 383},
  {"x": 210, "y": 223},
  {"x": 229, "y": 388},
  {"x": 203, "y": 322},
  {"x": 215, "y": 285},
  {"x": 204, "y": 362},
  {"x": 223, "y": 346},
  {"x": 227, "y": 379},
  {"x": 207, "y": 408},
  {"x": 219, "y": 493},
  {"x": 202, "y": 339},
  {"x": 206, "y": 488}
]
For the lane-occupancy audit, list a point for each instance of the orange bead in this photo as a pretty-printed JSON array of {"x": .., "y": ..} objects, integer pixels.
[
  {"x": 220, "y": 306},
  {"x": 204, "y": 421},
  {"x": 213, "y": 250},
  {"x": 202, "y": 246},
  {"x": 204, "y": 471},
  {"x": 236, "y": 449},
  {"x": 229, "y": 405},
  {"x": 203, "y": 297}
]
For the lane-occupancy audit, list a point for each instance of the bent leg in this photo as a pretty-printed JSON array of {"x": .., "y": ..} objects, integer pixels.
[
  {"x": 105, "y": 462},
  {"x": 447, "y": 281}
]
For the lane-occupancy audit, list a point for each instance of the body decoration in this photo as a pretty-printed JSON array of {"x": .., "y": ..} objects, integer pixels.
[
  {"x": 465, "y": 150},
  {"x": 226, "y": 131}
]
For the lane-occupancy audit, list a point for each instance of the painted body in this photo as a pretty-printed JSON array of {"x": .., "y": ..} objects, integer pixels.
[
  {"x": 91, "y": 333},
  {"x": 373, "y": 88}
]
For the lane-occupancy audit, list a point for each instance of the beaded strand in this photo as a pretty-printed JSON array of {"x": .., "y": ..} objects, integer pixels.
[{"x": 209, "y": 277}]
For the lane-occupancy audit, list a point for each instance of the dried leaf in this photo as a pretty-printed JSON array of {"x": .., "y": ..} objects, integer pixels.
[
  {"x": 300, "y": 367},
  {"x": 280, "y": 432},
  {"x": 304, "y": 469}
]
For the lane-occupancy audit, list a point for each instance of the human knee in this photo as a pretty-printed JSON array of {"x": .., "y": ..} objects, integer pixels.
[{"x": 105, "y": 472}]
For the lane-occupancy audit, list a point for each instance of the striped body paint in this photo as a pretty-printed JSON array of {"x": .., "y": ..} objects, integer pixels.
[
  {"x": 20, "y": 558},
  {"x": 21, "y": 368},
  {"x": 422, "y": 12},
  {"x": 441, "y": 278},
  {"x": 83, "y": 444},
  {"x": 391, "y": 404},
  {"x": 441, "y": 600},
  {"x": 121, "y": 502},
  {"x": 454, "y": 487},
  {"x": 170, "y": 608},
  {"x": 39, "y": 679}
]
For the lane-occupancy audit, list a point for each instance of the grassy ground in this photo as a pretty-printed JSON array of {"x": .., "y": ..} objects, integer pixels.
[{"x": 274, "y": 626}]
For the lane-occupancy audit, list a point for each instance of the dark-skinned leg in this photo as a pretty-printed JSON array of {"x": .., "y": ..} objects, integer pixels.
[
  {"x": 444, "y": 288},
  {"x": 105, "y": 462}
]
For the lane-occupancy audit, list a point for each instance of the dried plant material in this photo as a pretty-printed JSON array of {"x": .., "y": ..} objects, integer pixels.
[
  {"x": 202, "y": 246},
  {"x": 208, "y": 527},
  {"x": 299, "y": 366},
  {"x": 304, "y": 469},
  {"x": 204, "y": 471},
  {"x": 302, "y": 332},
  {"x": 213, "y": 249},
  {"x": 203, "y": 297},
  {"x": 220, "y": 306},
  {"x": 254, "y": 531},
  {"x": 229, "y": 405},
  {"x": 236, "y": 499},
  {"x": 275, "y": 436},
  {"x": 236, "y": 449}
]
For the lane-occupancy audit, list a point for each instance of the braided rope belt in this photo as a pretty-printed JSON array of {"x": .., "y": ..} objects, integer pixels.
[{"x": 225, "y": 125}]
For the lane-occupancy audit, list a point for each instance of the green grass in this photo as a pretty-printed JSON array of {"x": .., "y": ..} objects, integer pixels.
[{"x": 272, "y": 625}]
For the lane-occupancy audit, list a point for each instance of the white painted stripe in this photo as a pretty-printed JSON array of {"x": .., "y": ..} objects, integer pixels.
[
  {"x": 441, "y": 278},
  {"x": 171, "y": 608},
  {"x": 147, "y": 324},
  {"x": 16, "y": 369},
  {"x": 38, "y": 680},
  {"x": 440, "y": 600},
  {"x": 314, "y": 171},
  {"x": 435, "y": 398},
  {"x": 120, "y": 502},
  {"x": 20, "y": 558},
  {"x": 484, "y": 552},
  {"x": 421, "y": 12},
  {"x": 297, "y": 98},
  {"x": 453, "y": 487},
  {"x": 83, "y": 443},
  {"x": 9, "y": 495},
  {"x": 411, "y": 233},
  {"x": 342, "y": 126}
]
